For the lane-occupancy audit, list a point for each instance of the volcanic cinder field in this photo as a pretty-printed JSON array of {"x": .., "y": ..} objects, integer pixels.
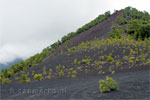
[{"x": 87, "y": 58}]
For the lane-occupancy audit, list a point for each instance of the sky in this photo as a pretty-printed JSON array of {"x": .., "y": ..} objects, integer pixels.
[{"x": 28, "y": 26}]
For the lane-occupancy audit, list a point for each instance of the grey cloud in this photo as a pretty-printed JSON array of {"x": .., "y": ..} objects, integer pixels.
[{"x": 28, "y": 26}]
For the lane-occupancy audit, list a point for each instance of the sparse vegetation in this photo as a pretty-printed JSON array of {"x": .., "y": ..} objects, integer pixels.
[
  {"x": 24, "y": 78},
  {"x": 44, "y": 71},
  {"x": 61, "y": 73},
  {"x": 105, "y": 51},
  {"x": 38, "y": 77},
  {"x": 110, "y": 59},
  {"x": 104, "y": 87},
  {"x": 108, "y": 85},
  {"x": 86, "y": 61},
  {"x": 33, "y": 72},
  {"x": 117, "y": 32},
  {"x": 74, "y": 76},
  {"x": 111, "y": 83},
  {"x": 5, "y": 81}
]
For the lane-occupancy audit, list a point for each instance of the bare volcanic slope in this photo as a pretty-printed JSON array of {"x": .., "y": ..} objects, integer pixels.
[
  {"x": 132, "y": 85},
  {"x": 75, "y": 72}
]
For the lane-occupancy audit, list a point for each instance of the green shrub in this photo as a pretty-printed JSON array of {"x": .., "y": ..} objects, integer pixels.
[
  {"x": 121, "y": 20},
  {"x": 117, "y": 63},
  {"x": 78, "y": 68},
  {"x": 58, "y": 68},
  {"x": 110, "y": 59},
  {"x": 5, "y": 81},
  {"x": 100, "y": 67},
  {"x": 75, "y": 61},
  {"x": 17, "y": 78},
  {"x": 24, "y": 78},
  {"x": 100, "y": 72},
  {"x": 50, "y": 72},
  {"x": 69, "y": 73},
  {"x": 7, "y": 73},
  {"x": 44, "y": 71},
  {"x": 63, "y": 67},
  {"x": 132, "y": 52},
  {"x": 131, "y": 59},
  {"x": 108, "y": 85},
  {"x": 148, "y": 61},
  {"x": 38, "y": 77},
  {"x": 136, "y": 59},
  {"x": 69, "y": 52},
  {"x": 101, "y": 57},
  {"x": 33, "y": 72},
  {"x": 61, "y": 52},
  {"x": 86, "y": 70},
  {"x": 111, "y": 83},
  {"x": 70, "y": 69},
  {"x": 113, "y": 72},
  {"x": 78, "y": 62},
  {"x": 116, "y": 32},
  {"x": 74, "y": 76},
  {"x": 61, "y": 73},
  {"x": 125, "y": 57},
  {"x": 104, "y": 87},
  {"x": 142, "y": 57},
  {"x": 139, "y": 29},
  {"x": 74, "y": 72},
  {"x": 86, "y": 61}
]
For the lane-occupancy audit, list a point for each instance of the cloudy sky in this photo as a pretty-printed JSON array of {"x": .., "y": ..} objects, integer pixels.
[{"x": 28, "y": 26}]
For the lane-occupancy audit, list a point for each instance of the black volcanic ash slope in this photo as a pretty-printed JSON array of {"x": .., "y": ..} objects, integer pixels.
[{"x": 81, "y": 61}]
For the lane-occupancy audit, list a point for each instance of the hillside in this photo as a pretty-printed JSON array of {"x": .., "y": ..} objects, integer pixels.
[
  {"x": 9, "y": 64},
  {"x": 116, "y": 45}
]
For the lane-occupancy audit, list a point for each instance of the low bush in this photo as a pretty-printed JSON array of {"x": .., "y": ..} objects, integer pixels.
[
  {"x": 61, "y": 73},
  {"x": 50, "y": 72},
  {"x": 116, "y": 32},
  {"x": 38, "y": 77},
  {"x": 121, "y": 20},
  {"x": 117, "y": 63},
  {"x": 104, "y": 87},
  {"x": 148, "y": 61},
  {"x": 74, "y": 72},
  {"x": 75, "y": 61},
  {"x": 111, "y": 83},
  {"x": 24, "y": 78},
  {"x": 113, "y": 72},
  {"x": 5, "y": 81},
  {"x": 74, "y": 76},
  {"x": 33, "y": 72},
  {"x": 17, "y": 78},
  {"x": 78, "y": 68},
  {"x": 108, "y": 85},
  {"x": 110, "y": 59},
  {"x": 69, "y": 73},
  {"x": 44, "y": 71},
  {"x": 86, "y": 61}
]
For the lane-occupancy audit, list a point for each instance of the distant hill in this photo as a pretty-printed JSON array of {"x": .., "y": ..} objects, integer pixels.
[{"x": 9, "y": 64}]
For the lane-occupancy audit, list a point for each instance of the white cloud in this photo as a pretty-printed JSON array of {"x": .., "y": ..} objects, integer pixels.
[{"x": 28, "y": 26}]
